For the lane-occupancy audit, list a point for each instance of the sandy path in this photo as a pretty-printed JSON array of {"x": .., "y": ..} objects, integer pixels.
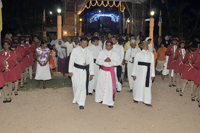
[{"x": 52, "y": 111}]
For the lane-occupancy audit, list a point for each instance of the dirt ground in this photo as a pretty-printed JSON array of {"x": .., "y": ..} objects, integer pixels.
[{"x": 52, "y": 111}]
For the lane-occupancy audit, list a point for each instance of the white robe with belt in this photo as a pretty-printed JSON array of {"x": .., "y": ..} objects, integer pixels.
[
  {"x": 120, "y": 51},
  {"x": 140, "y": 91},
  {"x": 80, "y": 56},
  {"x": 104, "y": 87},
  {"x": 130, "y": 53},
  {"x": 95, "y": 51}
]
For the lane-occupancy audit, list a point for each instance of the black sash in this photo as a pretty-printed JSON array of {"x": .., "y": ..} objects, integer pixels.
[
  {"x": 119, "y": 73},
  {"x": 87, "y": 74},
  {"x": 148, "y": 72}
]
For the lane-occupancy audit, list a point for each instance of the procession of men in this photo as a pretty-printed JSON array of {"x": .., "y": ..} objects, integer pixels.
[{"x": 98, "y": 69}]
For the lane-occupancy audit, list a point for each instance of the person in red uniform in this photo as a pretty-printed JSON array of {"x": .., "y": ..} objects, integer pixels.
[
  {"x": 32, "y": 48},
  {"x": 179, "y": 66},
  {"x": 189, "y": 70},
  {"x": 2, "y": 69},
  {"x": 171, "y": 62},
  {"x": 196, "y": 54},
  {"x": 197, "y": 77},
  {"x": 20, "y": 47},
  {"x": 17, "y": 68},
  {"x": 9, "y": 74}
]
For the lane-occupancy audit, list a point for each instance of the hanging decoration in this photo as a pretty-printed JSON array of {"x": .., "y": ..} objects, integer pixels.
[
  {"x": 93, "y": 17},
  {"x": 102, "y": 4}
]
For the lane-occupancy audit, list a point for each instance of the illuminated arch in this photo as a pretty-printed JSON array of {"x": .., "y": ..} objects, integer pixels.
[{"x": 93, "y": 17}]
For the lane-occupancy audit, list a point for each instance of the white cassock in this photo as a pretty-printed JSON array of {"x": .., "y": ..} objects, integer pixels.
[
  {"x": 130, "y": 53},
  {"x": 95, "y": 50},
  {"x": 150, "y": 47},
  {"x": 80, "y": 56},
  {"x": 143, "y": 70},
  {"x": 100, "y": 43},
  {"x": 120, "y": 51},
  {"x": 104, "y": 87}
]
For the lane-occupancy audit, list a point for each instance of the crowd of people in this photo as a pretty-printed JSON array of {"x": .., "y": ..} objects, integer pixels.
[{"x": 100, "y": 64}]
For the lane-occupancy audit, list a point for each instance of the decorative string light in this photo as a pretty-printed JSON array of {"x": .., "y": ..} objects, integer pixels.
[
  {"x": 93, "y": 17},
  {"x": 102, "y": 3}
]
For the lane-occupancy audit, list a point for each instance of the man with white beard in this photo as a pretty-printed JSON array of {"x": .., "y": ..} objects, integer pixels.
[
  {"x": 95, "y": 48},
  {"x": 106, "y": 83},
  {"x": 130, "y": 55},
  {"x": 120, "y": 51},
  {"x": 143, "y": 75},
  {"x": 81, "y": 69}
]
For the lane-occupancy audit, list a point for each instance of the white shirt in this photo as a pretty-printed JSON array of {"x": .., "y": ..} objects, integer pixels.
[
  {"x": 54, "y": 42},
  {"x": 95, "y": 50},
  {"x": 69, "y": 46},
  {"x": 131, "y": 52},
  {"x": 119, "y": 50}
]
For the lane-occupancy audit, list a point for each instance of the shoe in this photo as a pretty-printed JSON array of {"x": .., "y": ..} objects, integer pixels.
[
  {"x": 81, "y": 107},
  {"x": 199, "y": 105},
  {"x": 170, "y": 85},
  {"x": 5, "y": 100},
  {"x": 131, "y": 90},
  {"x": 177, "y": 90},
  {"x": 149, "y": 105},
  {"x": 193, "y": 99},
  {"x": 118, "y": 91},
  {"x": 197, "y": 100},
  {"x": 135, "y": 101},
  {"x": 90, "y": 94},
  {"x": 9, "y": 100},
  {"x": 16, "y": 93},
  {"x": 100, "y": 102},
  {"x": 174, "y": 85},
  {"x": 93, "y": 90},
  {"x": 110, "y": 106},
  {"x": 44, "y": 87},
  {"x": 21, "y": 86},
  {"x": 181, "y": 94}
]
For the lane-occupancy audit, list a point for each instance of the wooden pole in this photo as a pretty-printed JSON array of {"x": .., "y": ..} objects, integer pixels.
[
  {"x": 151, "y": 29},
  {"x": 59, "y": 27},
  {"x": 75, "y": 18},
  {"x": 80, "y": 32}
]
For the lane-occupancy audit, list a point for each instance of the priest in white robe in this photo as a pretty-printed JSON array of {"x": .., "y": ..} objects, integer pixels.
[
  {"x": 143, "y": 74},
  {"x": 120, "y": 51},
  {"x": 150, "y": 47},
  {"x": 130, "y": 55},
  {"x": 95, "y": 48},
  {"x": 106, "y": 83},
  {"x": 81, "y": 70}
]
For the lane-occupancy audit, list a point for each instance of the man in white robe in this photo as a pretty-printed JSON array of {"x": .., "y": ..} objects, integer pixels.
[
  {"x": 119, "y": 50},
  {"x": 54, "y": 41},
  {"x": 130, "y": 55},
  {"x": 81, "y": 69},
  {"x": 106, "y": 83},
  {"x": 150, "y": 47},
  {"x": 96, "y": 34},
  {"x": 95, "y": 48},
  {"x": 143, "y": 74}
]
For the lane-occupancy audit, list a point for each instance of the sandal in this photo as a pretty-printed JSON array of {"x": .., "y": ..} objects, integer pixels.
[
  {"x": 9, "y": 100},
  {"x": 181, "y": 94},
  {"x": 44, "y": 87},
  {"x": 199, "y": 105},
  {"x": 16, "y": 93},
  {"x": 170, "y": 85},
  {"x": 177, "y": 89},
  {"x": 193, "y": 99},
  {"x": 149, "y": 105},
  {"x": 163, "y": 77},
  {"x": 5, "y": 100}
]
